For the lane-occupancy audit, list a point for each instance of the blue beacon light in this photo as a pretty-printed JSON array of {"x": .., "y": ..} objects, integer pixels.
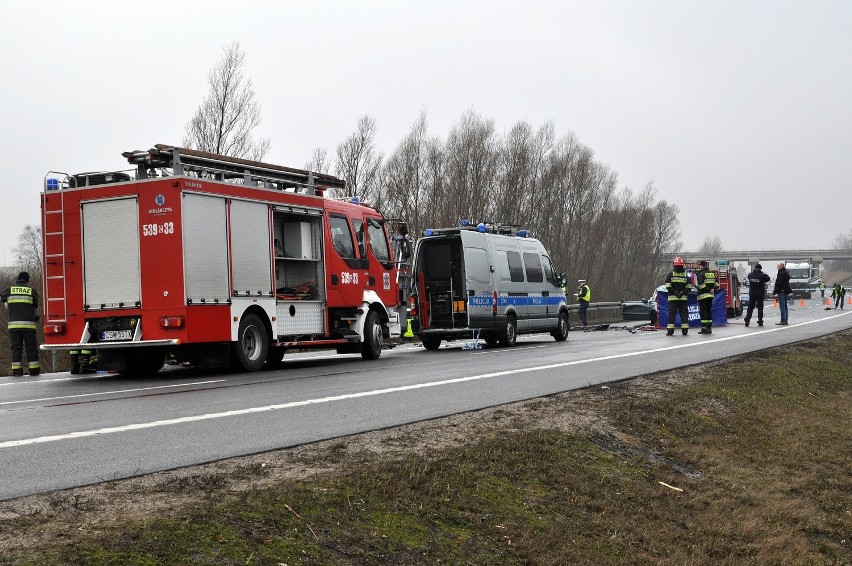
[
  {"x": 428, "y": 232},
  {"x": 52, "y": 184},
  {"x": 481, "y": 228}
]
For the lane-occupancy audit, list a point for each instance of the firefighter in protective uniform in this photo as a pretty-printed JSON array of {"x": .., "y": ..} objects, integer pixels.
[
  {"x": 22, "y": 301},
  {"x": 678, "y": 287},
  {"x": 707, "y": 285}
]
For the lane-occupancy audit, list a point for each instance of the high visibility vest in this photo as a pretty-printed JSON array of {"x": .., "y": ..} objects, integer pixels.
[
  {"x": 22, "y": 301},
  {"x": 706, "y": 284},
  {"x": 677, "y": 282},
  {"x": 585, "y": 294}
]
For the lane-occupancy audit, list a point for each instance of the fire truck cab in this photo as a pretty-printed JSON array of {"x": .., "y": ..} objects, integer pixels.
[{"x": 212, "y": 260}]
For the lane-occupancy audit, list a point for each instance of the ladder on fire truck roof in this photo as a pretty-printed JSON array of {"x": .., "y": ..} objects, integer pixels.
[
  {"x": 53, "y": 222},
  {"x": 191, "y": 162}
]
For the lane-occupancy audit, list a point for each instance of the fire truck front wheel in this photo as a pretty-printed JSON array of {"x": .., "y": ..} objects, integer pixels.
[
  {"x": 371, "y": 348},
  {"x": 250, "y": 349}
]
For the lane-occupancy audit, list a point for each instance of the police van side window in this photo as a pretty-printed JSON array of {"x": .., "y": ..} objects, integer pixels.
[
  {"x": 340, "y": 236},
  {"x": 516, "y": 268},
  {"x": 532, "y": 265}
]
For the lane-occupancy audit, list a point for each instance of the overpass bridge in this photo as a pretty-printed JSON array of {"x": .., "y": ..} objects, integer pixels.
[{"x": 815, "y": 257}]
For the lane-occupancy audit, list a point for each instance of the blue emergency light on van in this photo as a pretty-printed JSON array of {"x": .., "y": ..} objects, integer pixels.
[
  {"x": 464, "y": 223},
  {"x": 52, "y": 184},
  {"x": 428, "y": 232},
  {"x": 481, "y": 228},
  {"x": 523, "y": 233}
]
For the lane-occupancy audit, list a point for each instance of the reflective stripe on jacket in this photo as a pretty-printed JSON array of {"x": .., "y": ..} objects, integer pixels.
[
  {"x": 706, "y": 280},
  {"x": 23, "y": 302},
  {"x": 677, "y": 284}
]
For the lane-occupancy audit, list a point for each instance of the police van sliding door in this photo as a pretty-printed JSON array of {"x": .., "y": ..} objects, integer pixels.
[{"x": 111, "y": 254}]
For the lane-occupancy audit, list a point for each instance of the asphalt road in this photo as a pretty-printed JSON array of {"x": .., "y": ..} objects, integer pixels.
[{"x": 59, "y": 431}]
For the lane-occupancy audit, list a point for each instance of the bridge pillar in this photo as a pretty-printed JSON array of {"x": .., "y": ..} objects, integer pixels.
[{"x": 752, "y": 261}]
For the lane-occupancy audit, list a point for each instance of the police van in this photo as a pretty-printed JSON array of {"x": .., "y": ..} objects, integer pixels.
[{"x": 486, "y": 281}]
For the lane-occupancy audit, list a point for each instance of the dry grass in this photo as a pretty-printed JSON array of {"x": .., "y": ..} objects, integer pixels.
[{"x": 743, "y": 462}]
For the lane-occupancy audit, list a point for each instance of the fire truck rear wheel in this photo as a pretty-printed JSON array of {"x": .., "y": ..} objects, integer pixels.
[
  {"x": 371, "y": 348},
  {"x": 510, "y": 334},
  {"x": 249, "y": 351},
  {"x": 430, "y": 342}
]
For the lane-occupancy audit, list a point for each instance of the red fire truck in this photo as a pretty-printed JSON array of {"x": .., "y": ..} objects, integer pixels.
[{"x": 211, "y": 260}]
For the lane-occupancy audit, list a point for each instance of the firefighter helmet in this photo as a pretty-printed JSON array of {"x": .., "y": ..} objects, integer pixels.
[{"x": 678, "y": 261}]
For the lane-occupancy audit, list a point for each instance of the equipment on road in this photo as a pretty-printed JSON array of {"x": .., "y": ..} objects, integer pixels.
[{"x": 214, "y": 260}]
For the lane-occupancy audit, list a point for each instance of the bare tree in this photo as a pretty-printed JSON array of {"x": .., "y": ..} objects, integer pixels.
[
  {"x": 225, "y": 119},
  {"x": 319, "y": 162},
  {"x": 842, "y": 242},
  {"x": 711, "y": 248},
  {"x": 406, "y": 177},
  {"x": 28, "y": 250},
  {"x": 359, "y": 163}
]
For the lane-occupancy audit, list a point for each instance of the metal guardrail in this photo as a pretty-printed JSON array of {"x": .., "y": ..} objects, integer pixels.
[{"x": 597, "y": 313}]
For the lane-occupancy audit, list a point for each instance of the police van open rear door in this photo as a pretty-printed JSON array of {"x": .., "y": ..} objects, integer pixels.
[{"x": 478, "y": 268}]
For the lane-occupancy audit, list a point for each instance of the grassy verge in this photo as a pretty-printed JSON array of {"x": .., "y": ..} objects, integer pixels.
[{"x": 741, "y": 462}]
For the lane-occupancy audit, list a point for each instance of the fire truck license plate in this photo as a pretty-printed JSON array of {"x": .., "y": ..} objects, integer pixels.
[{"x": 116, "y": 335}]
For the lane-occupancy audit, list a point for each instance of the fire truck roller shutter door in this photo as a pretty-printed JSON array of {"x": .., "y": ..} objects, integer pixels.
[
  {"x": 251, "y": 263},
  {"x": 111, "y": 253},
  {"x": 205, "y": 249}
]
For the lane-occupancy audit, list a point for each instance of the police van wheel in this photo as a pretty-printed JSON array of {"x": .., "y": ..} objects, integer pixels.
[
  {"x": 371, "y": 348},
  {"x": 561, "y": 332},
  {"x": 249, "y": 351},
  {"x": 430, "y": 343},
  {"x": 653, "y": 318},
  {"x": 510, "y": 334}
]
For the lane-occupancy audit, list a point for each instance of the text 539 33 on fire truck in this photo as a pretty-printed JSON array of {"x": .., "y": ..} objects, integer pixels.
[{"x": 212, "y": 260}]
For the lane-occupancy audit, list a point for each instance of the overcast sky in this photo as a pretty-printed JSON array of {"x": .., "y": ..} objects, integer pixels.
[{"x": 739, "y": 112}]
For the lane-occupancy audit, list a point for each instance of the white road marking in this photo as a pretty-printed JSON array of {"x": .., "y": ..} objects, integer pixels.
[
  {"x": 110, "y": 392},
  {"x": 375, "y": 392}
]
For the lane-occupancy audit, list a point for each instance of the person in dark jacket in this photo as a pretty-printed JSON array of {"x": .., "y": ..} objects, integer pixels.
[
  {"x": 678, "y": 287},
  {"x": 782, "y": 291},
  {"x": 757, "y": 281},
  {"x": 22, "y": 301},
  {"x": 707, "y": 285}
]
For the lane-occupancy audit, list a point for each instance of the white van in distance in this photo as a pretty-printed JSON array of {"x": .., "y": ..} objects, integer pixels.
[{"x": 493, "y": 281}]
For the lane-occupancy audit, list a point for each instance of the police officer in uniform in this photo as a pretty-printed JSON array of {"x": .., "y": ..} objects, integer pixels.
[
  {"x": 22, "y": 301},
  {"x": 678, "y": 287},
  {"x": 584, "y": 295},
  {"x": 707, "y": 285},
  {"x": 757, "y": 281}
]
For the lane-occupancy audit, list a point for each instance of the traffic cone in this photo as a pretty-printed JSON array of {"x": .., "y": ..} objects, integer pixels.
[
  {"x": 828, "y": 301},
  {"x": 849, "y": 300},
  {"x": 801, "y": 301},
  {"x": 775, "y": 303}
]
